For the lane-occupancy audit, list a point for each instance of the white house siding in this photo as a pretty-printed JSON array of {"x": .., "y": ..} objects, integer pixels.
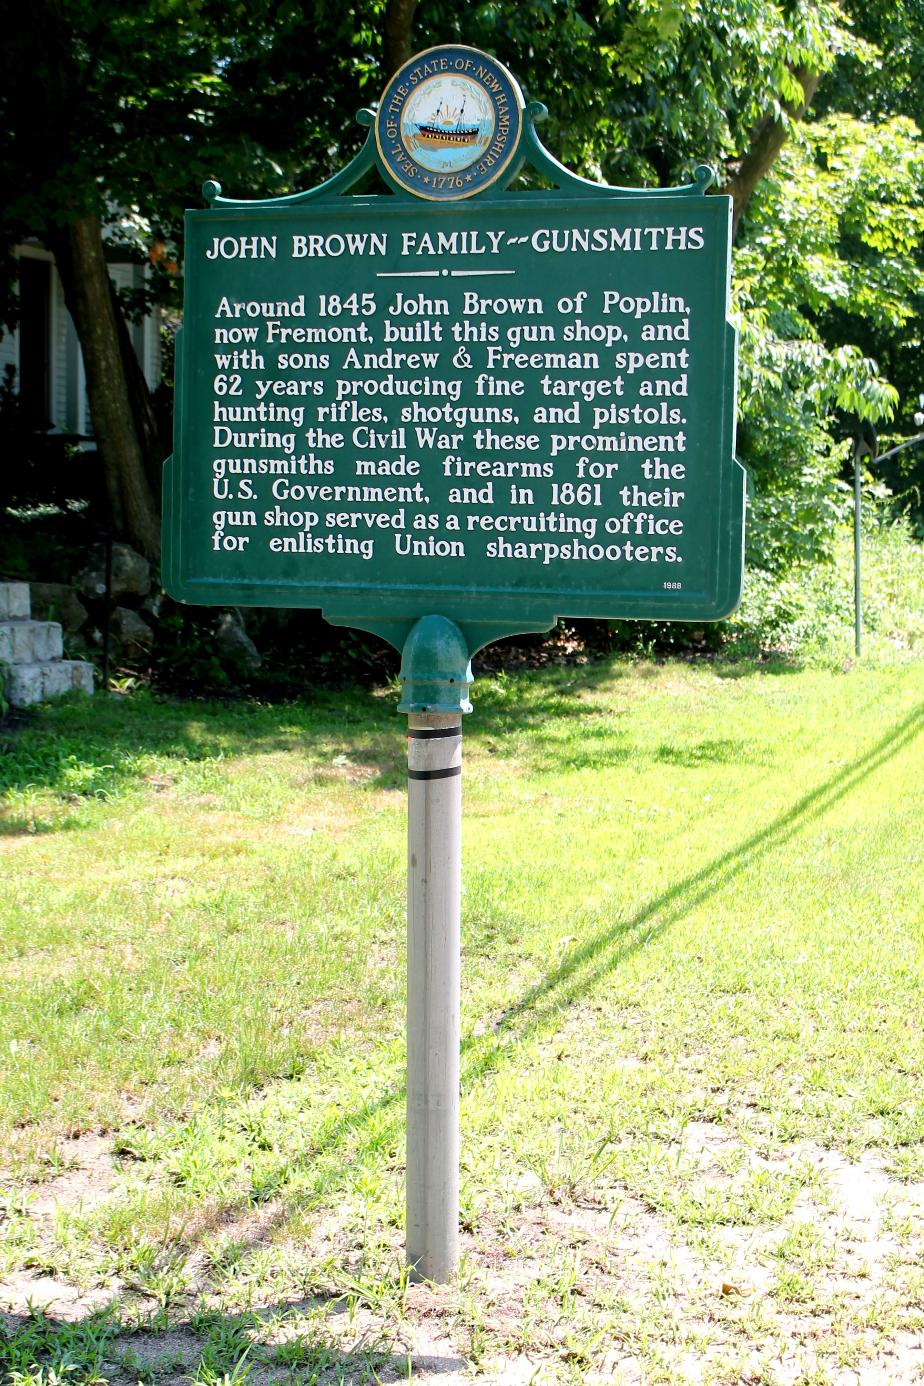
[
  {"x": 67, "y": 398},
  {"x": 151, "y": 353},
  {"x": 145, "y": 335},
  {"x": 9, "y": 353},
  {"x": 60, "y": 318},
  {"x": 76, "y": 411}
]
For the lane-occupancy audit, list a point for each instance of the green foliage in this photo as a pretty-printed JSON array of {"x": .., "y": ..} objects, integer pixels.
[
  {"x": 186, "y": 655},
  {"x": 828, "y": 251},
  {"x": 163, "y": 94},
  {"x": 889, "y": 84},
  {"x": 836, "y": 227},
  {"x": 809, "y": 609},
  {"x": 806, "y": 610},
  {"x": 641, "y": 90},
  {"x": 43, "y": 1352},
  {"x": 892, "y": 86}
]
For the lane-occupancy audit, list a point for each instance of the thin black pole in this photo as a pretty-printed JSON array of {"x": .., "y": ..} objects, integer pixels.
[
  {"x": 857, "y": 529},
  {"x": 107, "y": 610}
]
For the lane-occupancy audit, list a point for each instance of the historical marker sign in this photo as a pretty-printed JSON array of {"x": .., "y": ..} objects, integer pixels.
[
  {"x": 446, "y": 414},
  {"x": 504, "y": 410}
]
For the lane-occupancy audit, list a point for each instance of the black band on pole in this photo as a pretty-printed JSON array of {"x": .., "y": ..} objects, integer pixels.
[
  {"x": 431, "y": 733},
  {"x": 446, "y": 774}
]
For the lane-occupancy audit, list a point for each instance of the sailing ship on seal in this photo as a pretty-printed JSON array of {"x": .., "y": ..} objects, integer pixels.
[{"x": 447, "y": 128}]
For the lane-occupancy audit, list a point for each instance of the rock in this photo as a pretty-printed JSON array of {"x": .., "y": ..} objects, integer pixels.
[
  {"x": 25, "y": 642},
  {"x": 23, "y": 684},
  {"x": 82, "y": 675},
  {"x": 32, "y": 683},
  {"x": 153, "y": 602},
  {"x": 57, "y": 601},
  {"x": 235, "y": 644},
  {"x": 134, "y": 635},
  {"x": 131, "y": 573},
  {"x": 14, "y": 601}
]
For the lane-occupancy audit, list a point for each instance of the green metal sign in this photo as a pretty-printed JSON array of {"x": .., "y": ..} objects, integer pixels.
[{"x": 450, "y": 398}]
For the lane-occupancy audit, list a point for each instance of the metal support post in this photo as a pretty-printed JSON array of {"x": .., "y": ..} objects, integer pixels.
[
  {"x": 436, "y": 674},
  {"x": 433, "y": 967}
]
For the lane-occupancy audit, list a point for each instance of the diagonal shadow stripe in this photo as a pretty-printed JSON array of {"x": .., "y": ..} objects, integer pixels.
[
  {"x": 563, "y": 983},
  {"x": 583, "y": 967}
]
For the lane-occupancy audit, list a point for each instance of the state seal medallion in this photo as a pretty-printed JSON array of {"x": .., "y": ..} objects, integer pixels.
[{"x": 449, "y": 123}]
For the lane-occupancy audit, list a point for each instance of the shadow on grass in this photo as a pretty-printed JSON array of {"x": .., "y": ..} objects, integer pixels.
[
  {"x": 775, "y": 665},
  {"x": 585, "y": 965},
  {"x": 726, "y": 751},
  {"x": 84, "y": 749},
  {"x": 377, "y": 1124},
  {"x": 209, "y": 1347}
]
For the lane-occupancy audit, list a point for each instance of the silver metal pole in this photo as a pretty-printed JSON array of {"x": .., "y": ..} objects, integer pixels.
[
  {"x": 433, "y": 967},
  {"x": 857, "y": 504}
]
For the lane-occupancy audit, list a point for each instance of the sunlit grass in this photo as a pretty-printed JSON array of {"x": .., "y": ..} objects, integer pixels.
[{"x": 692, "y": 895}]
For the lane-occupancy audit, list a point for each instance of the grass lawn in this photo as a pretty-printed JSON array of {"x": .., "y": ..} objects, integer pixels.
[{"x": 693, "y": 1112}]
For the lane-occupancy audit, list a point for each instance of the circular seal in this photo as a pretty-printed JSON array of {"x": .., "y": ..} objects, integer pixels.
[{"x": 449, "y": 123}]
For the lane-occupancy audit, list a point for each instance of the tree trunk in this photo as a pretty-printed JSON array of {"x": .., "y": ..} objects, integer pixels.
[
  {"x": 396, "y": 32},
  {"x": 47, "y": 112},
  {"x": 154, "y": 445},
  {"x": 766, "y": 143},
  {"x": 78, "y": 251}
]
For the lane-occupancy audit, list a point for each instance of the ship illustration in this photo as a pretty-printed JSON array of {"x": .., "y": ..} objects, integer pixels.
[{"x": 446, "y": 126}]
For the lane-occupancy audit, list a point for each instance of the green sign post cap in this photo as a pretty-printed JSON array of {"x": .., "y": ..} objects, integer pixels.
[{"x": 436, "y": 672}]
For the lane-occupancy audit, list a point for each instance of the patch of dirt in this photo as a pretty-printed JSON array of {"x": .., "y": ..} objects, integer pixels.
[
  {"x": 319, "y": 821},
  {"x": 21, "y": 1291},
  {"x": 601, "y": 1286},
  {"x": 694, "y": 1303},
  {"x": 85, "y": 1180},
  {"x": 11, "y": 838}
]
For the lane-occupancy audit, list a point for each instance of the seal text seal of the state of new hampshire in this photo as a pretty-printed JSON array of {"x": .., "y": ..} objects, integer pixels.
[{"x": 449, "y": 123}]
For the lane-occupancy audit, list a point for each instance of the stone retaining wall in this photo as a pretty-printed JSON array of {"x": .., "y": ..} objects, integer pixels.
[{"x": 32, "y": 666}]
